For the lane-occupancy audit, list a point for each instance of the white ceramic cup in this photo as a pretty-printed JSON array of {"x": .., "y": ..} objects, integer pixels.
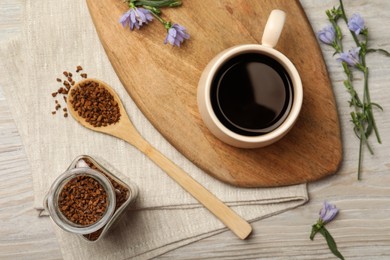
[{"x": 270, "y": 38}]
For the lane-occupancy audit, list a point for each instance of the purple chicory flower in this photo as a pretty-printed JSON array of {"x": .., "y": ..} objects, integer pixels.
[
  {"x": 136, "y": 16},
  {"x": 328, "y": 212},
  {"x": 352, "y": 57},
  {"x": 327, "y": 35},
  {"x": 176, "y": 35},
  {"x": 356, "y": 24}
]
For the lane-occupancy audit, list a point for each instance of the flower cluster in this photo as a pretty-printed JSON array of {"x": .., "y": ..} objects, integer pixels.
[
  {"x": 141, "y": 12},
  {"x": 362, "y": 116},
  {"x": 136, "y": 17},
  {"x": 327, "y": 213}
]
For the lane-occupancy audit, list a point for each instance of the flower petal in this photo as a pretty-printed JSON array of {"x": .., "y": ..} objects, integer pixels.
[
  {"x": 327, "y": 35},
  {"x": 148, "y": 15},
  {"x": 172, "y": 32},
  {"x": 328, "y": 212},
  {"x": 141, "y": 17},
  {"x": 356, "y": 23},
  {"x": 352, "y": 57},
  {"x": 132, "y": 19},
  {"x": 124, "y": 20},
  {"x": 171, "y": 39}
]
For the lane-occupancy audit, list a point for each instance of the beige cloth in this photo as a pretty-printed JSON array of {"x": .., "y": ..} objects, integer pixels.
[{"x": 58, "y": 36}]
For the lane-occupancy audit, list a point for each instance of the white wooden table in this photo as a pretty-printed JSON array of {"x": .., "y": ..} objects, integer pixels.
[{"x": 362, "y": 229}]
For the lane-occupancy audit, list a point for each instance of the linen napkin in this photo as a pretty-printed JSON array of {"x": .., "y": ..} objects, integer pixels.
[{"x": 58, "y": 36}]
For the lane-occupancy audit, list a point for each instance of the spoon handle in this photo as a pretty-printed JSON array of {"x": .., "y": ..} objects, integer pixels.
[{"x": 231, "y": 219}]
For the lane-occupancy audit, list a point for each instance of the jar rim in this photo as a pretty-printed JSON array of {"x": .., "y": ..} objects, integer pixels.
[{"x": 56, "y": 188}]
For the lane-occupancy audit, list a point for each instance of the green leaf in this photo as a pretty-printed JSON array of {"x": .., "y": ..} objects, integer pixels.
[
  {"x": 382, "y": 51},
  {"x": 158, "y": 3},
  {"x": 331, "y": 243},
  {"x": 369, "y": 122},
  {"x": 377, "y": 105}
]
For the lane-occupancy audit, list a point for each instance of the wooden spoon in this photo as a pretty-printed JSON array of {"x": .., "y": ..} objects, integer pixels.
[{"x": 125, "y": 130}]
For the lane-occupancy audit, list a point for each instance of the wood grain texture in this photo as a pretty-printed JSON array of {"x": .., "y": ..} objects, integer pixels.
[
  {"x": 361, "y": 230},
  {"x": 162, "y": 80},
  {"x": 23, "y": 234}
]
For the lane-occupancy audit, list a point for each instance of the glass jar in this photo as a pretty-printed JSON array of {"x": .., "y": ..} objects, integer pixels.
[{"x": 119, "y": 196}]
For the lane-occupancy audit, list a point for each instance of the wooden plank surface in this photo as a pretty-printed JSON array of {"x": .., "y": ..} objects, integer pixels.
[
  {"x": 163, "y": 83},
  {"x": 361, "y": 230}
]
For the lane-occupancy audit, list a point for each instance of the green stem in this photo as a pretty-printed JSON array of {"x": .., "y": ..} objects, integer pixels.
[
  {"x": 166, "y": 24},
  {"x": 315, "y": 228},
  {"x": 338, "y": 44},
  {"x": 367, "y": 101},
  {"x": 357, "y": 121},
  {"x": 355, "y": 100},
  {"x": 159, "y": 18},
  {"x": 339, "y": 36},
  {"x": 360, "y": 155},
  {"x": 344, "y": 16}
]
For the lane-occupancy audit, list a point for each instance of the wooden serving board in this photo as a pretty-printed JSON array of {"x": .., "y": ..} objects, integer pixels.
[{"x": 162, "y": 80}]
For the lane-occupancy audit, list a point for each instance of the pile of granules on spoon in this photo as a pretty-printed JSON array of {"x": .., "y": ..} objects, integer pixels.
[
  {"x": 95, "y": 104},
  {"x": 64, "y": 89}
]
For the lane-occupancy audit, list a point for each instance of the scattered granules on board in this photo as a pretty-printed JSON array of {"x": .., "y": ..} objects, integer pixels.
[
  {"x": 66, "y": 84},
  {"x": 95, "y": 104}
]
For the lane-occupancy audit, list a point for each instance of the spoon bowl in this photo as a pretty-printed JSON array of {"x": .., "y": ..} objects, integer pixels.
[
  {"x": 115, "y": 129},
  {"x": 125, "y": 130}
]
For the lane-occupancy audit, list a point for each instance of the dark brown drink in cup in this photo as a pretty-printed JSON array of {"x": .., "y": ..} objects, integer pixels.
[{"x": 251, "y": 94}]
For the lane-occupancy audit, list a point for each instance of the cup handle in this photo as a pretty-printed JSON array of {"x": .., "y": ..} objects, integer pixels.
[{"x": 273, "y": 28}]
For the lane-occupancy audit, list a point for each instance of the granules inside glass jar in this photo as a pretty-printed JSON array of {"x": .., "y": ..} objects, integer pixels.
[
  {"x": 67, "y": 202},
  {"x": 87, "y": 198},
  {"x": 83, "y": 200}
]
